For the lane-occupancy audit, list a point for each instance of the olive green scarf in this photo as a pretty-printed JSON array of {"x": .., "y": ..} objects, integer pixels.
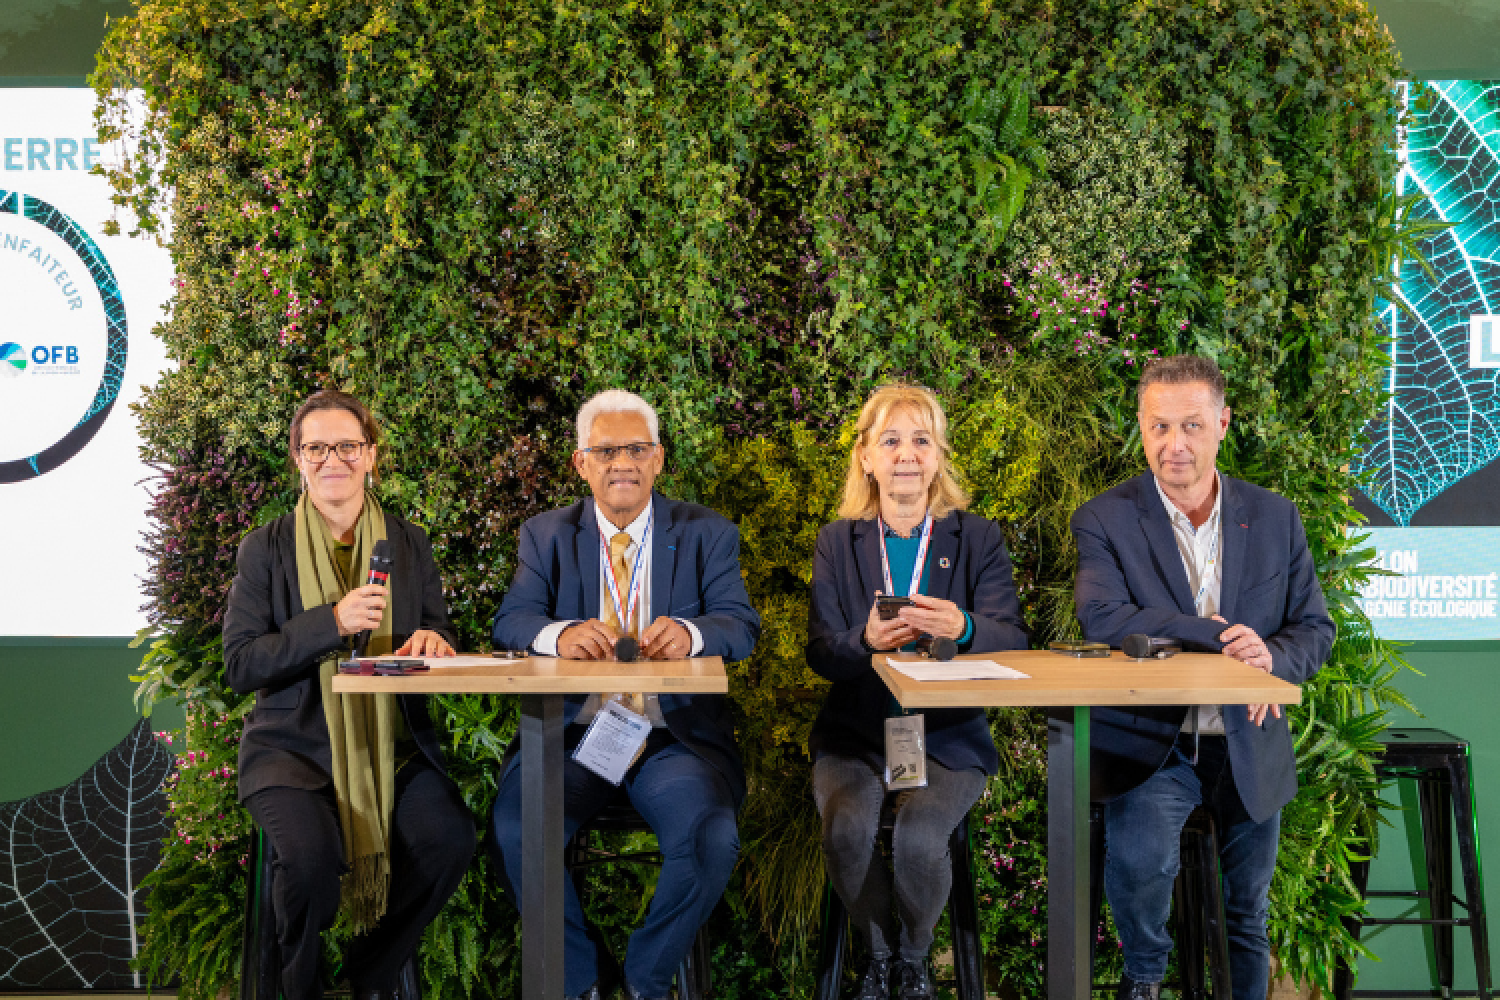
[{"x": 361, "y": 727}]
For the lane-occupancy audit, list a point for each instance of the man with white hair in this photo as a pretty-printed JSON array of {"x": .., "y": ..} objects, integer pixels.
[{"x": 629, "y": 562}]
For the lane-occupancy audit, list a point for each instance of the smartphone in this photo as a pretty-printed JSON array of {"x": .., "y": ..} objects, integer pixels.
[
  {"x": 888, "y": 607},
  {"x": 510, "y": 654}
]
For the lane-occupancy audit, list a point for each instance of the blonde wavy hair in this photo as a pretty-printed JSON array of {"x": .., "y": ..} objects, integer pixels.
[{"x": 861, "y": 493}]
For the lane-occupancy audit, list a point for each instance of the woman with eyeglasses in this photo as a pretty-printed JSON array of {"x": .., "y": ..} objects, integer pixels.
[
  {"x": 351, "y": 789},
  {"x": 904, "y": 565}
]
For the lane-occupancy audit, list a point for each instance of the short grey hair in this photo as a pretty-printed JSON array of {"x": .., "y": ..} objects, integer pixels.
[
  {"x": 615, "y": 401},
  {"x": 1182, "y": 369}
]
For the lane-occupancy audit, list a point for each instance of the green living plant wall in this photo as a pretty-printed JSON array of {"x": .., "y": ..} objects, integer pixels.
[{"x": 476, "y": 213}]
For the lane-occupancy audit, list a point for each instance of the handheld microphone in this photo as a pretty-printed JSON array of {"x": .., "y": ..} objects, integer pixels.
[
  {"x": 627, "y": 648},
  {"x": 937, "y": 649},
  {"x": 381, "y": 565},
  {"x": 1145, "y": 647}
]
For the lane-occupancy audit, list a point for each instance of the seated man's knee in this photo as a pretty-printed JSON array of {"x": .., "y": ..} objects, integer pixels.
[
  {"x": 718, "y": 844},
  {"x": 920, "y": 841},
  {"x": 1139, "y": 860}
]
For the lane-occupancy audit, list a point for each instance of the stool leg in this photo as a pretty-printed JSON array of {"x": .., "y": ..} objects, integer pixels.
[
  {"x": 1215, "y": 926},
  {"x": 1096, "y": 881},
  {"x": 260, "y": 955},
  {"x": 1187, "y": 907},
  {"x": 1343, "y": 976},
  {"x": 963, "y": 917},
  {"x": 831, "y": 945},
  {"x": 1468, "y": 856},
  {"x": 1437, "y": 842}
]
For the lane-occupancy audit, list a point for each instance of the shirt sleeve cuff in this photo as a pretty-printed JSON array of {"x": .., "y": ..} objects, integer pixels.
[
  {"x": 545, "y": 643},
  {"x": 968, "y": 629},
  {"x": 692, "y": 631}
]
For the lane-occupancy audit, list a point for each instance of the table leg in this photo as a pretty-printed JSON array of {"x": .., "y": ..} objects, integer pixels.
[
  {"x": 542, "y": 846},
  {"x": 1069, "y": 976}
]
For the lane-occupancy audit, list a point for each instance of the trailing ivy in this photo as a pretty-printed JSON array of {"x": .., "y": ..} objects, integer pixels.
[{"x": 475, "y": 213}]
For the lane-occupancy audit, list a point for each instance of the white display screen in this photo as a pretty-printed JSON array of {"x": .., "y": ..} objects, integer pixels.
[{"x": 77, "y": 312}]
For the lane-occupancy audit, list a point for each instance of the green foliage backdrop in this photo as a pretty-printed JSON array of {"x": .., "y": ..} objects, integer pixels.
[{"x": 475, "y": 213}]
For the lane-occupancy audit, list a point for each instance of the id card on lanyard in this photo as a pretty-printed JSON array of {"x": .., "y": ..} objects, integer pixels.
[
  {"x": 905, "y": 734},
  {"x": 617, "y": 735}
]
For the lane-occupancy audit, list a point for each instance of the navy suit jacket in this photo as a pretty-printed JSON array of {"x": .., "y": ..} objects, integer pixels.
[
  {"x": 695, "y": 575},
  {"x": 967, "y": 564},
  {"x": 1131, "y": 581}
]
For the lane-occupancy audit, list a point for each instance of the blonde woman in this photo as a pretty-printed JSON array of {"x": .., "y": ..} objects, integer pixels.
[{"x": 903, "y": 532}]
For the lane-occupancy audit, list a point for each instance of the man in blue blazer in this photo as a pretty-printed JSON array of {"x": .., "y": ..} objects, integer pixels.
[
  {"x": 631, "y": 562},
  {"x": 1184, "y": 552}
]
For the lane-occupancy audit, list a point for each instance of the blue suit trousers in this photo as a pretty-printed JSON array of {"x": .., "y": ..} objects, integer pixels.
[{"x": 689, "y": 806}]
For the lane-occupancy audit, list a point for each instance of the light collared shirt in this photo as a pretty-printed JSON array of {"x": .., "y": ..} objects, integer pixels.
[
  {"x": 545, "y": 642},
  {"x": 1202, "y": 558}
]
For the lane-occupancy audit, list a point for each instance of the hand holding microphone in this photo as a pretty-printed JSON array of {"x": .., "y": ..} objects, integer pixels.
[{"x": 362, "y": 609}]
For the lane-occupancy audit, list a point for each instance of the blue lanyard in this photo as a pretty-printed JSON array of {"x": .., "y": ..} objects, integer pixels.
[{"x": 624, "y": 608}]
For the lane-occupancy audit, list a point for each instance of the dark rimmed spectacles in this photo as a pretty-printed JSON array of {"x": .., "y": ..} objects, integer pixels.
[
  {"x": 636, "y": 451},
  {"x": 348, "y": 451}
]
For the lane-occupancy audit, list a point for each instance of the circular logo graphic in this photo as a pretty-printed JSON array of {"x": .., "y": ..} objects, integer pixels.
[
  {"x": 64, "y": 339},
  {"x": 12, "y": 360}
]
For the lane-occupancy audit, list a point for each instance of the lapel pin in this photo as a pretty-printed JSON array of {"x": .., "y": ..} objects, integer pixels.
[
  {"x": 943, "y": 562},
  {"x": 1244, "y": 526}
]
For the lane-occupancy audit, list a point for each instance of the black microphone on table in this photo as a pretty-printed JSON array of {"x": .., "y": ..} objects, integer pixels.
[
  {"x": 381, "y": 565},
  {"x": 627, "y": 648},
  {"x": 939, "y": 648},
  {"x": 1145, "y": 647}
]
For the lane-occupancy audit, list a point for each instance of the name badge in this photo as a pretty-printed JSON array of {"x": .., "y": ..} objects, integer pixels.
[
  {"x": 614, "y": 740},
  {"x": 905, "y": 753}
]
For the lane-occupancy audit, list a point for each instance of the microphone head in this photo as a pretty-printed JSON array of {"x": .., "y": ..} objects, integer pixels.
[
  {"x": 943, "y": 649},
  {"x": 381, "y": 563},
  {"x": 627, "y": 648},
  {"x": 1137, "y": 647}
]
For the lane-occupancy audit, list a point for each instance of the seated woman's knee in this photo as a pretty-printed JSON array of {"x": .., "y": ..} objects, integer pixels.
[{"x": 847, "y": 830}]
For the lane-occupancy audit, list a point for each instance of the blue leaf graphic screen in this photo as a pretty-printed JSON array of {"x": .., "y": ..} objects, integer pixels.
[{"x": 1432, "y": 463}]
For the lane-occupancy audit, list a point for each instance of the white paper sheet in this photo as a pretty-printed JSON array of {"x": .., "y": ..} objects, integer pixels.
[
  {"x": 448, "y": 661},
  {"x": 956, "y": 670}
]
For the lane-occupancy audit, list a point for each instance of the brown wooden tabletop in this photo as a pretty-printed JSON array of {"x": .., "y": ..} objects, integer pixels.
[
  {"x": 1054, "y": 679},
  {"x": 552, "y": 675}
]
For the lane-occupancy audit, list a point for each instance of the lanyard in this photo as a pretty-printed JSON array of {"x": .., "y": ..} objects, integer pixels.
[
  {"x": 1206, "y": 573},
  {"x": 916, "y": 571},
  {"x": 624, "y": 609}
]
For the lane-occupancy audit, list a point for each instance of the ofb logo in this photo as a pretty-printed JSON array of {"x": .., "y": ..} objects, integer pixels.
[
  {"x": 63, "y": 361},
  {"x": 12, "y": 360}
]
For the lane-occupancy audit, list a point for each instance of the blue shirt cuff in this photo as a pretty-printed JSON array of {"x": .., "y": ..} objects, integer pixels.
[{"x": 968, "y": 629}]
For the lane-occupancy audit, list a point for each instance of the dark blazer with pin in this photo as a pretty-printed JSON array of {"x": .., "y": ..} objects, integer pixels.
[
  {"x": 967, "y": 563},
  {"x": 1131, "y": 581},
  {"x": 695, "y": 575}
]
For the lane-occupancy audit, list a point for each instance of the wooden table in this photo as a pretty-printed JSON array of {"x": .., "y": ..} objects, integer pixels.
[
  {"x": 1068, "y": 687},
  {"x": 542, "y": 681}
]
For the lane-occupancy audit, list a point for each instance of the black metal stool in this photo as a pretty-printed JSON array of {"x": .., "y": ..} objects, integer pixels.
[
  {"x": 1439, "y": 763},
  {"x": 1197, "y": 904},
  {"x": 694, "y": 980},
  {"x": 260, "y": 956},
  {"x": 963, "y": 918}
]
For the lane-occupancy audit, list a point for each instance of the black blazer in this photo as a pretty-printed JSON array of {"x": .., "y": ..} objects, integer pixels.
[
  {"x": 1131, "y": 581},
  {"x": 695, "y": 575},
  {"x": 272, "y": 646},
  {"x": 968, "y": 565}
]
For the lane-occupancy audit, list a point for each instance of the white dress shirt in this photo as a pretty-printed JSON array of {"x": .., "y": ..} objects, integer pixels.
[
  {"x": 545, "y": 643},
  {"x": 1203, "y": 559}
]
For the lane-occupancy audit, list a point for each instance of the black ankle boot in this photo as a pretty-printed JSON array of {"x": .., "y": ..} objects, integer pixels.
[
  {"x": 875, "y": 984},
  {"x": 913, "y": 980},
  {"x": 409, "y": 981},
  {"x": 1132, "y": 990}
]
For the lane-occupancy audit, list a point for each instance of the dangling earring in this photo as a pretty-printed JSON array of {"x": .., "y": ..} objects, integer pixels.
[
  {"x": 369, "y": 481},
  {"x": 304, "y": 482}
]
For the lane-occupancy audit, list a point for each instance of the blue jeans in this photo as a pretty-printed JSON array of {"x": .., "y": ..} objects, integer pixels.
[
  {"x": 689, "y": 807},
  {"x": 1142, "y": 830}
]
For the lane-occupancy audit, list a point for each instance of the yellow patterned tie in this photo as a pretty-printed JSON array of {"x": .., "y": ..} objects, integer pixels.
[{"x": 632, "y": 700}]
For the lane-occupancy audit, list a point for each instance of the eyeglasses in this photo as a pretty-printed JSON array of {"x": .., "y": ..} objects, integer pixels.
[
  {"x": 317, "y": 452},
  {"x": 636, "y": 451}
]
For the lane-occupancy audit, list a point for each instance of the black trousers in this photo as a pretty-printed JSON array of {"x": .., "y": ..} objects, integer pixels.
[{"x": 432, "y": 840}]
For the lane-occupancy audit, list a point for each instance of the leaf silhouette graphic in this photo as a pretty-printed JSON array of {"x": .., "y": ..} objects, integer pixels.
[
  {"x": 70, "y": 861},
  {"x": 1443, "y": 421}
]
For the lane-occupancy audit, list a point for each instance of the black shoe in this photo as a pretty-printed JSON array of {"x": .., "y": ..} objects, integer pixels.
[
  {"x": 875, "y": 984},
  {"x": 912, "y": 980},
  {"x": 409, "y": 981},
  {"x": 633, "y": 995},
  {"x": 592, "y": 993},
  {"x": 1132, "y": 990}
]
